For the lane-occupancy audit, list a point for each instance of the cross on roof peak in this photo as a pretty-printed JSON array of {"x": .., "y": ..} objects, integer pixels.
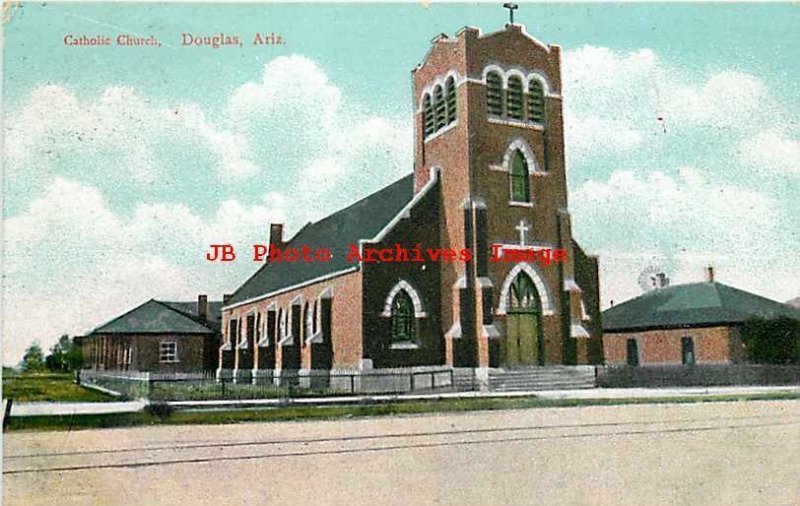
[{"x": 511, "y": 8}]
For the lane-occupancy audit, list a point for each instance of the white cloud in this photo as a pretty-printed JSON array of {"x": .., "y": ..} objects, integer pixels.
[
  {"x": 771, "y": 150},
  {"x": 73, "y": 263},
  {"x": 120, "y": 137},
  {"x": 688, "y": 222},
  {"x": 615, "y": 102}
]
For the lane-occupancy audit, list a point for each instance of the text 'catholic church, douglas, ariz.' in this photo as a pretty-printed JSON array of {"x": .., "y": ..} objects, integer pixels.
[{"x": 489, "y": 170}]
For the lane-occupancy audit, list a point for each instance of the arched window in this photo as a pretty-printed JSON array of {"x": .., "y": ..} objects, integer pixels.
[
  {"x": 515, "y": 106},
  {"x": 536, "y": 101},
  {"x": 494, "y": 94},
  {"x": 438, "y": 108},
  {"x": 309, "y": 322},
  {"x": 522, "y": 295},
  {"x": 520, "y": 182},
  {"x": 404, "y": 327},
  {"x": 315, "y": 316},
  {"x": 427, "y": 115},
  {"x": 450, "y": 99},
  {"x": 281, "y": 324}
]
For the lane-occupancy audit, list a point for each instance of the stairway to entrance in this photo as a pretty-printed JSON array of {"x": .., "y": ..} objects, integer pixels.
[{"x": 555, "y": 377}]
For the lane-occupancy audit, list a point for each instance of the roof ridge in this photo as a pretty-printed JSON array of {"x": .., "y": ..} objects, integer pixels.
[
  {"x": 194, "y": 318},
  {"x": 126, "y": 313},
  {"x": 359, "y": 201},
  {"x": 317, "y": 225}
]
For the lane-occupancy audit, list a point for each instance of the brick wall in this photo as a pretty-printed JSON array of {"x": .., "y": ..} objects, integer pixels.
[
  {"x": 345, "y": 292},
  {"x": 663, "y": 347},
  {"x": 196, "y": 352}
]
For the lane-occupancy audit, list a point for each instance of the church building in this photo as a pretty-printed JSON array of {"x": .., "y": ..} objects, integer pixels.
[{"x": 489, "y": 174}]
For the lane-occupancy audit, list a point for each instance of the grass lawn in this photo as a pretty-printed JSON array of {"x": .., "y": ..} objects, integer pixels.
[
  {"x": 305, "y": 412},
  {"x": 48, "y": 387}
]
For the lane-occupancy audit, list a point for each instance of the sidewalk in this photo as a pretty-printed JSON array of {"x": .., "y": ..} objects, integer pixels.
[
  {"x": 87, "y": 408},
  {"x": 75, "y": 408}
]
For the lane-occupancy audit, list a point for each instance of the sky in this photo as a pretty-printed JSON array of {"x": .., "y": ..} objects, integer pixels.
[{"x": 121, "y": 165}]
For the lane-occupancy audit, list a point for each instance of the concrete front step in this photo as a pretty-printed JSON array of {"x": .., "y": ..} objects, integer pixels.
[{"x": 542, "y": 378}]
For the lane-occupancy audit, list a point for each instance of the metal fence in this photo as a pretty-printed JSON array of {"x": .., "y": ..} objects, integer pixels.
[{"x": 270, "y": 384}]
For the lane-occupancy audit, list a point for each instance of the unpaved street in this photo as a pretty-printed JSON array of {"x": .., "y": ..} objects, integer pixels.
[{"x": 705, "y": 453}]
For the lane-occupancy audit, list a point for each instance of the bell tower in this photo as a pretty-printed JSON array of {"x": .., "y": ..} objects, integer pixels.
[{"x": 488, "y": 124}]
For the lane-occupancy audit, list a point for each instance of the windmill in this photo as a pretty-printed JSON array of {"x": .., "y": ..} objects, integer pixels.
[{"x": 652, "y": 278}]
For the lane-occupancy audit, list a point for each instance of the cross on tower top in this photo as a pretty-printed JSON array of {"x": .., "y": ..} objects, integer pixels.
[
  {"x": 523, "y": 229},
  {"x": 511, "y": 8}
]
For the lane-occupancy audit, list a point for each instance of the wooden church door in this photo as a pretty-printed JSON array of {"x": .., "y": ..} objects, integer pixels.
[{"x": 523, "y": 324}]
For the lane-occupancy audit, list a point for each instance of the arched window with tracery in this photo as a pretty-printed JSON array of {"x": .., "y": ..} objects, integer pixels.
[
  {"x": 494, "y": 94},
  {"x": 519, "y": 178},
  {"x": 514, "y": 106},
  {"x": 522, "y": 295},
  {"x": 536, "y": 101},
  {"x": 450, "y": 99},
  {"x": 439, "y": 113},
  {"x": 404, "y": 325},
  {"x": 427, "y": 115}
]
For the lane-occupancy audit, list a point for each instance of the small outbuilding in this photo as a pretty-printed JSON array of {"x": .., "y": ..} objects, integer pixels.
[
  {"x": 685, "y": 324},
  {"x": 157, "y": 336}
]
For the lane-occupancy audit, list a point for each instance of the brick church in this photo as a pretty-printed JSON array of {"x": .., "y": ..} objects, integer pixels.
[{"x": 489, "y": 170}]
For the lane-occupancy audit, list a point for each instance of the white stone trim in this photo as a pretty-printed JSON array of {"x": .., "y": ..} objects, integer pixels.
[
  {"x": 571, "y": 286},
  {"x": 493, "y": 67},
  {"x": 515, "y": 203},
  {"x": 315, "y": 338},
  {"x": 440, "y": 81},
  {"x": 584, "y": 315},
  {"x": 515, "y": 122},
  {"x": 544, "y": 293},
  {"x": 441, "y": 131},
  {"x": 455, "y": 331},
  {"x": 293, "y": 287},
  {"x": 524, "y": 74},
  {"x": 405, "y": 345},
  {"x": 520, "y": 144},
  {"x": 579, "y": 331},
  {"x": 490, "y": 331},
  {"x": 534, "y": 247},
  {"x": 415, "y": 299},
  {"x": 484, "y": 282}
]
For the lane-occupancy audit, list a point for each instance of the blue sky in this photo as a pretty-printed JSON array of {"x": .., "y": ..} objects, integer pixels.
[{"x": 122, "y": 164}]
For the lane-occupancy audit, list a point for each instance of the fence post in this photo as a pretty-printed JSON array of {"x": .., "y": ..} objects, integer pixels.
[{"x": 352, "y": 383}]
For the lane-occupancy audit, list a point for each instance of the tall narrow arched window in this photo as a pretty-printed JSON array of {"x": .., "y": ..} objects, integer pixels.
[
  {"x": 438, "y": 108},
  {"x": 309, "y": 316},
  {"x": 520, "y": 182},
  {"x": 404, "y": 327},
  {"x": 536, "y": 101},
  {"x": 494, "y": 94},
  {"x": 316, "y": 317},
  {"x": 427, "y": 115},
  {"x": 450, "y": 99},
  {"x": 515, "y": 105}
]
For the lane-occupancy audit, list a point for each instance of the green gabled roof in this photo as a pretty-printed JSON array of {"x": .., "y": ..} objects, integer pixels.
[
  {"x": 692, "y": 305},
  {"x": 153, "y": 317},
  {"x": 362, "y": 220}
]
